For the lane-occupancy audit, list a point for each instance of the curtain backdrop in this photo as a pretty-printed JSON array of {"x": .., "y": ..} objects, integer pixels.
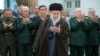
[{"x": 30, "y": 3}]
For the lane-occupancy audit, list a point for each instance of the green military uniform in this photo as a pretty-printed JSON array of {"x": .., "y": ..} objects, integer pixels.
[
  {"x": 92, "y": 40},
  {"x": 78, "y": 37},
  {"x": 8, "y": 37},
  {"x": 25, "y": 38}
]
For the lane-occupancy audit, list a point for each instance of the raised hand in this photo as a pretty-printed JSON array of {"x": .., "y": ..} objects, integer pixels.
[
  {"x": 26, "y": 20},
  {"x": 58, "y": 29},
  {"x": 5, "y": 25},
  {"x": 10, "y": 25}
]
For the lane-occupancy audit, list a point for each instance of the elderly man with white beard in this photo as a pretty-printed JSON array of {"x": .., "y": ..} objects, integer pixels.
[{"x": 51, "y": 39}]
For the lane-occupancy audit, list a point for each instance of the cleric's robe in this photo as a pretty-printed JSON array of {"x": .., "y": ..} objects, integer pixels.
[{"x": 42, "y": 40}]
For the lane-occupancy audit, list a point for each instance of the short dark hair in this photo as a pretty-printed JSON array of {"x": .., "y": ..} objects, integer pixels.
[
  {"x": 42, "y": 6},
  {"x": 7, "y": 9}
]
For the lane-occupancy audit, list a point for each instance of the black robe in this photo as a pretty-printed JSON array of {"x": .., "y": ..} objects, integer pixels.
[{"x": 42, "y": 37}]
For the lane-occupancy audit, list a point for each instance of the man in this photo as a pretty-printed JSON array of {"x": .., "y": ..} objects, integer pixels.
[
  {"x": 36, "y": 10},
  {"x": 51, "y": 39},
  {"x": 19, "y": 15},
  {"x": 92, "y": 40},
  {"x": 31, "y": 14},
  {"x": 63, "y": 15},
  {"x": 8, "y": 33},
  {"x": 41, "y": 17},
  {"x": 38, "y": 19},
  {"x": 42, "y": 12},
  {"x": 77, "y": 38},
  {"x": 67, "y": 16},
  {"x": 19, "y": 11},
  {"x": 25, "y": 27}
]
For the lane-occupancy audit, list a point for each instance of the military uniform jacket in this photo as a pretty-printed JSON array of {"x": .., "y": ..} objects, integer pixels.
[
  {"x": 24, "y": 31},
  {"x": 78, "y": 35},
  {"x": 93, "y": 33},
  {"x": 7, "y": 36}
]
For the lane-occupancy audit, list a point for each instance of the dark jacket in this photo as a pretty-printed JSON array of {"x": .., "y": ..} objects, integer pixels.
[
  {"x": 25, "y": 31},
  {"x": 93, "y": 33},
  {"x": 7, "y": 36},
  {"x": 78, "y": 35}
]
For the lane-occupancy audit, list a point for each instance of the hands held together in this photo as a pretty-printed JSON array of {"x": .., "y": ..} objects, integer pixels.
[
  {"x": 26, "y": 20},
  {"x": 55, "y": 29},
  {"x": 10, "y": 26}
]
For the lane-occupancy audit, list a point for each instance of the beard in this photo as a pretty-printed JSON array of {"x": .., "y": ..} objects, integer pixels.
[{"x": 55, "y": 20}]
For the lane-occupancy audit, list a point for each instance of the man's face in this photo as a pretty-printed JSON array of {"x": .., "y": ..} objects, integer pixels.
[
  {"x": 30, "y": 11},
  {"x": 67, "y": 12},
  {"x": 78, "y": 13},
  {"x": 25, "y": 12},
  {"x": 20, "y": 10},
  {"x": 43, "y": 11},
  {"x": 55, "y": 14},
  {"x": 92, "y": 13},
  {"x": 8, "y": 14},
  {"x": 36, "y": 10}
]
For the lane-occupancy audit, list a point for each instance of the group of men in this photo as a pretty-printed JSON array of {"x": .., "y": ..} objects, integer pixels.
[{"x": 46, "y": 33}]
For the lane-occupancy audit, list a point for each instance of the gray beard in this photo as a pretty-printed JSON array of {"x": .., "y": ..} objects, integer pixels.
[{"x": 55, "y": 20}]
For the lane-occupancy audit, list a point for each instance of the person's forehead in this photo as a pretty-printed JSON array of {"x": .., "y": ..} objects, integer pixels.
[
  {"x": 36, "y": 7},
  {"x": 8, "y": 11},
  {"x": 25, "y": 10},
  {"x": 78, "y": 11},
  {"x": 55, "y": 11},
  {"x": 42, "y": 8},
  {"x": 92, "y": 10}
]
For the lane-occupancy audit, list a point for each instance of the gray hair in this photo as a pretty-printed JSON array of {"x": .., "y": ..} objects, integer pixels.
[
  {"x": 77, "y": 9},
  {"x": 25, "y": 8}
]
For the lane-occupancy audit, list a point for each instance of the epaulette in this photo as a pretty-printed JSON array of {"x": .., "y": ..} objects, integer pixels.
[
  {"x": 31, "y": 16},
  {"x": 87, "y": 17},
  {"x": 1, "y": 16},
  {"x": 13, "y": 17},
  {"x": 72, "y": 16},
  {"x": 20, "y": 17}
]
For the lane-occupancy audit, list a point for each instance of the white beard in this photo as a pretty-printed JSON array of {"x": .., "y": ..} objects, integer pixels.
[{"x": 56, "y": 20}]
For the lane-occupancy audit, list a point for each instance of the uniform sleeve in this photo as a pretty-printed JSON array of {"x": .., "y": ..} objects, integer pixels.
[
  {"x": 86, "y": 24},
  {"x": 74, "y": 24},
  {"x": 34, "y": 23},
  {"x": 20, "y": 25},
  {"x": 2, "y": 29},
  {"x": 98, "y": 22}
]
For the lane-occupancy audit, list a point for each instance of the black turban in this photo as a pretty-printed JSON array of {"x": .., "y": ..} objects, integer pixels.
[{"x": 55, "y": 6}]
